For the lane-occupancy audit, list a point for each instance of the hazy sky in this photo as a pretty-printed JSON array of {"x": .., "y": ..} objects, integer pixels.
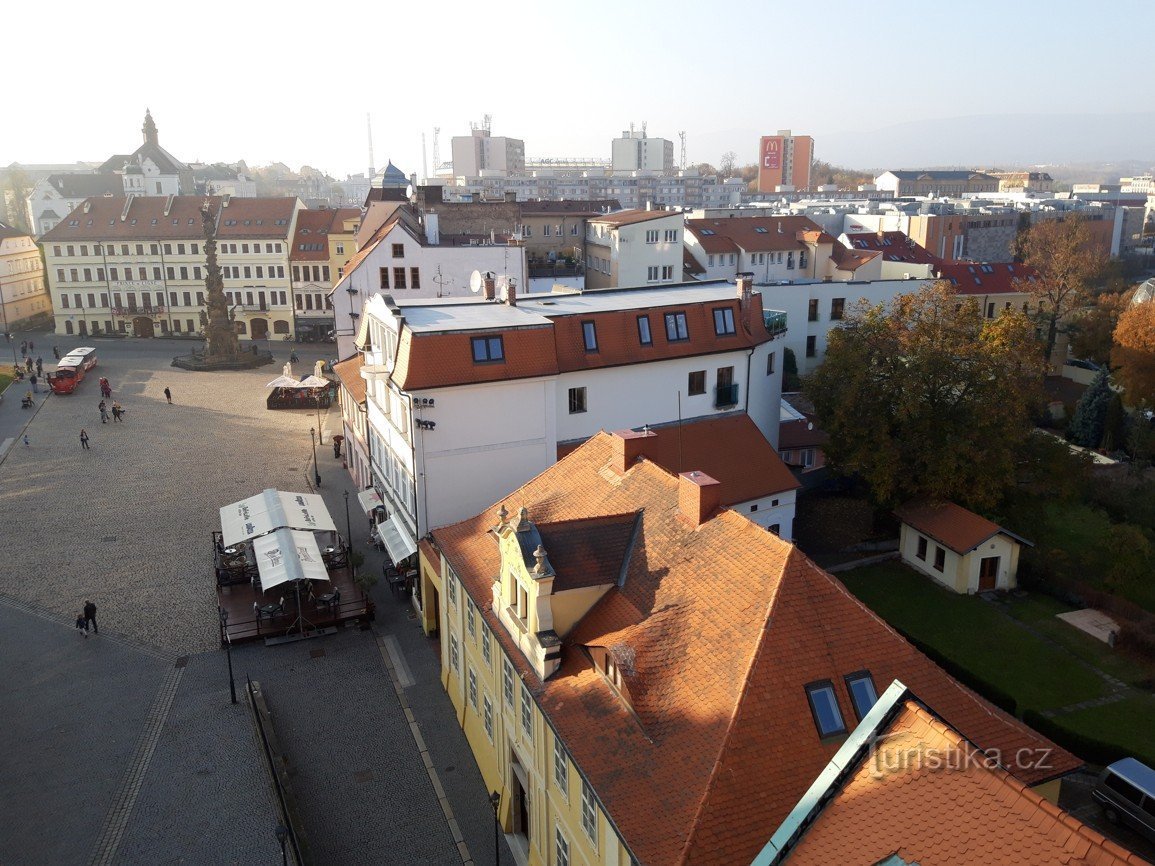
[{"x": 274, "y": 82}]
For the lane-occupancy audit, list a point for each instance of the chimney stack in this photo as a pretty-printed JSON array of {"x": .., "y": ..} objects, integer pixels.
[
  {"x": 489, "y": 286},
  {"x": 699, "y": 496},
  {"x": 511, "y": 293},
  {"x": 628, "y": 446},
  {"x": 745, "y": 283}
]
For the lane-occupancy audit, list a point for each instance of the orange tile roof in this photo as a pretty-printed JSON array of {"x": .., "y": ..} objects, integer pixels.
[
  {"x": 956, "y": 527},
  {"x": 777, "y": 233},
  {"x": 443, "y": 359},
  {"x": 349, "y": 372},
  {"x": 731, "y": 449},
  {"x": 850, "y": 260},
  {"x": 438, "y": 359},
  {"x": 983, "y": 278},
  {"x": 727, "y": 623},
  {"x": 969, "y": 813},
  {"x": 629, "y": 217}
]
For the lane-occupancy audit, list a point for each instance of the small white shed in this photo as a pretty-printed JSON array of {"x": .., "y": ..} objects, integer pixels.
[{"x": 958, "y": 548}]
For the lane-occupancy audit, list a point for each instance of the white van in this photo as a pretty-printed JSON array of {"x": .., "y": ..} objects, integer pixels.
[{"x": 1126, "y": 790}]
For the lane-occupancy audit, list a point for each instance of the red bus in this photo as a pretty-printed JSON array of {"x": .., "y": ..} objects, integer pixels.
[{"x": 71, "y": 369}]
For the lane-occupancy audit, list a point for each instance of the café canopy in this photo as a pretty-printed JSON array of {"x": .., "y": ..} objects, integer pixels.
[
  {"x": 274, "y": 509},
  {"x": 288, "y": 554}
]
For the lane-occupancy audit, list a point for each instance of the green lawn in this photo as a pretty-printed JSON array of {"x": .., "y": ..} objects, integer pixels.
[
  {"x": 976, "y": 636},
  {"x": 5, "y": 379},
  {"x": 1128, "y": 724},
  {"x": 1040, "y": 611}
]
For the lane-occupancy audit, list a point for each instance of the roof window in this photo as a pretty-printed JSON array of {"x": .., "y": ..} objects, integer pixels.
[
  {"x": 707, "y": 231},
  {"x": 762, "y": 230},
  {"x": 862, "y": 692},
  {"x": 824, "y": 707}
]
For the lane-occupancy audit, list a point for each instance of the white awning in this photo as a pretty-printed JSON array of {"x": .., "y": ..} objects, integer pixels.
[
  {"x": 369, "y": 499},
  {"x": 273, "y": 509},
  {"x": 397, "y": 540},
  {"x": 288, "y": 554}
]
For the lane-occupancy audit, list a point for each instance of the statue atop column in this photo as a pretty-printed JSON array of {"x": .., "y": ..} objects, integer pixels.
[{"x": 220, "y": 334}]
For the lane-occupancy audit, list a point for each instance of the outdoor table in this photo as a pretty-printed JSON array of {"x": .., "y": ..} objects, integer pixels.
[{"x": 270, "y": 610}]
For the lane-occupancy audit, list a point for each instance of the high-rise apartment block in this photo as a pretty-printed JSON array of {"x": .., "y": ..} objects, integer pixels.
[
  {"x": 784, "y": 162},
  {"x": 635, "y": 151},
  {"x": 481, "y": 154}
]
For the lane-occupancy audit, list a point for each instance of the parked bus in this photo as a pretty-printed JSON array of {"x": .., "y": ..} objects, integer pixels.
[{"x": 71, "y": 370}]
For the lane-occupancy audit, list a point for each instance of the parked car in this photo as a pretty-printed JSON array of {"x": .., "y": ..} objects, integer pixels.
[{"x": 1126, "y": 791}]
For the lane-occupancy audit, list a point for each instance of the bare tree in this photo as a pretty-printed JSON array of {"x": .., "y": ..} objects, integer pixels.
[{"x": 726, "y": 166}]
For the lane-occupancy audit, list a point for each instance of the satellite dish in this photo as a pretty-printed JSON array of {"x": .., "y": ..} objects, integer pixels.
[{"x": 475, "y": 282}]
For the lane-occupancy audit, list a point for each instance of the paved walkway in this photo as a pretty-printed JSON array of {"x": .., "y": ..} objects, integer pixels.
[{"x": 138, "y": 755}]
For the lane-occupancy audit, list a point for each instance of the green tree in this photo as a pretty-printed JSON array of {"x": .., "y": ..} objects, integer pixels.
[
  {"x": 926, "y": 397},
  {"x": 1090, "y": 418},
  {"x": 1091, "y": 330},
  {"x": 790, "y": 380},
  {"x": 1068, "y": 260},
  {"x": 1114, "y": 425},
  {"x": 1127, "y": 553}
]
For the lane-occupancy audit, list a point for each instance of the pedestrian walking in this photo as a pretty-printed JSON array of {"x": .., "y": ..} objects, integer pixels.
[
  {"x": 56, "y": 353},
  {"x": 28, "y": 364},
  {"x": 82, "y": 624},
  {"x": 26, "y": 442},
  {"x": 168, "y": 395},
  {"x": 103, "y": 407},
  {"x": 90, "y": 616},
  {"x": 83, "y": 439},
  {"x": 39, "y": 366},
  {"x": 31, "y": 346},
  {"x": 23, "y": 347},
  {"x": 32, "y": 381},
  {"x": 117, "y": 412}
]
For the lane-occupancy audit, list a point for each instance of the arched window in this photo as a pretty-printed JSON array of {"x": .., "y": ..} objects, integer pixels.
[
  {"x": 68, "y": 327},
  {"x": 240, "y": 327},
  {"x": 280, "y": 327}
]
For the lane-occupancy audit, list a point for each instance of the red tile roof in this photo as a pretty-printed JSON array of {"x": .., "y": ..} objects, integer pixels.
[
  {"x": 956, "y": 527},
  {"x": 897, "y": 802},
  {"x": 349, "y": 372},
  {"x": 850, "y": 260},
  {"x": 726, "y": 624},
  {"x": 988, "y": 278},
  {"x": 730, "y": 449},
  {"x": 690, "y": 264},
  {"x": 313, "y": 229},
  {"x": 757, "y": 234},
  {"x": 894, "y": 246},
  {"x": 629, "y": 217},
  {"x": 175, "y": 218},
  {"x": 443, "y": 358}
]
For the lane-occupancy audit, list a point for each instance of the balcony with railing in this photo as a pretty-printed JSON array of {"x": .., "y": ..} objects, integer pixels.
[
  {"x": 775, "y": 321},
  {"x": 725, "y": 396}
]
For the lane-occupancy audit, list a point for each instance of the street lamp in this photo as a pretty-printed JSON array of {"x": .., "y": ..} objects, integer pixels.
[
  {"x": 228, "y": 651},
  {"x": 348, "y": 523},
  {"x": 283, "y": 834},
  {"x": 316, "y": 471},
  {"x": 495, "y": 802}
]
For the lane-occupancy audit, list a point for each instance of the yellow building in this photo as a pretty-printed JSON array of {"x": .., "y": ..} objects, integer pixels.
[
  {"x": 23, "y": 289},
  {"x": 645, "y": 677}
]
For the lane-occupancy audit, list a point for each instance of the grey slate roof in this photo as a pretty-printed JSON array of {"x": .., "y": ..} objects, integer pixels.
[{"x": 85, "y": 185}]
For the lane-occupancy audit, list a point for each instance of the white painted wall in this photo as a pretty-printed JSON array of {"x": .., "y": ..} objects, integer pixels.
[
  {"x": 766, "y": 513},
  {"x": 795, "y": 301}
]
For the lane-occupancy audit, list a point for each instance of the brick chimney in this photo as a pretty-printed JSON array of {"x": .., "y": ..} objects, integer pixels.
[
  {"x": 511, "y": 293},
  {"x": 489, "y": 287},
  {"x": 745, "y": 282},
  {"x": 628, "y": 446},
  {"x": 699, "y": 496}
]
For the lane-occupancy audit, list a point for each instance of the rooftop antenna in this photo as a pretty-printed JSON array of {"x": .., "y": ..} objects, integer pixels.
[
  {"x": 644, "y": 122},
  {"x": 443, "y": 280},
  {"x": 369, "y": 126},
  {"x": 486, "y": 122},
  {"x": 682, "y": 135},
  {"x": 436, "y": 148},
  {"x": 424, "y": 165}
]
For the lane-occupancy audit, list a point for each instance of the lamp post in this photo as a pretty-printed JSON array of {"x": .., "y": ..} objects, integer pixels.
[
  {"x": 283, "y": 834},
  {"x": 495, "y": 802},
  {"x": 348, "y": 524},
  {"x": 316, "y": 471},
  {"x": 228, "y": 652},
  {"x": 320, "y": 429}
]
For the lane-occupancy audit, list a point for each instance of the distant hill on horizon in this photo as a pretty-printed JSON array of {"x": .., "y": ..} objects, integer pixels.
[{"x": 998, "y": 140}]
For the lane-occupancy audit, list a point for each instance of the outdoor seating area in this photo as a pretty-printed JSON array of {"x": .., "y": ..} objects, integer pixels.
[
  {"x": 282, "y": 569},
  {"x": 312, "y": 392}
]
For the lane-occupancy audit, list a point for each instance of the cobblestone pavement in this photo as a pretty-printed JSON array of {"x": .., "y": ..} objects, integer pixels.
[
  {"x": 128, "y": 522},
  {"x": 144, "y": 763},
  {"x": 73, "y": 710}
]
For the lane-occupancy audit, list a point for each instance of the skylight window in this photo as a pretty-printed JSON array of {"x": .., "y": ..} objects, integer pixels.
[
  {"x": 824, "y": 707},
  {"x": 761, "y": 230},
  {"x": 707, "y": 231},
  {"x": 862, "y": 692}
]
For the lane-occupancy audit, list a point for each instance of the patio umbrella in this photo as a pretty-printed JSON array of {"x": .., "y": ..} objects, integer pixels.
[
  {"x": 272, "y": 509},
  {"x": 288, "y": 554},
  {"x": 285, "y": 382},
  {"x": 313, "y": 382}
]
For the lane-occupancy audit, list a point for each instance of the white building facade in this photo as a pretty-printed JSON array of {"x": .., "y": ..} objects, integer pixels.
[{"x": 634, "y": 248}]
